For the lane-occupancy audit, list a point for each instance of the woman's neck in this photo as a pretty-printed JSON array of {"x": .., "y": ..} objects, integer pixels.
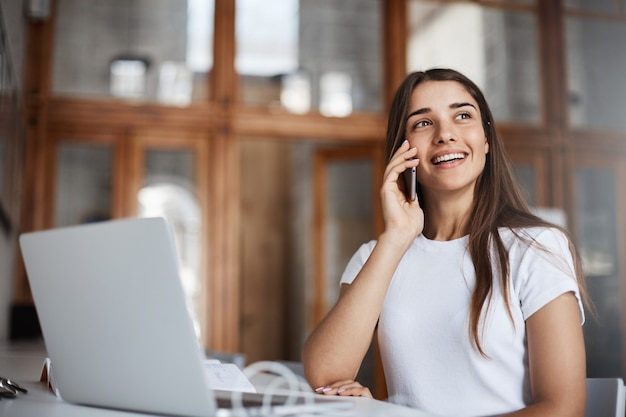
[{"x": 447, "y": 216}]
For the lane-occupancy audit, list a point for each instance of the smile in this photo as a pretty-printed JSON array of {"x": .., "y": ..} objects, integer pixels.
[{"x": 447, "y": 158}]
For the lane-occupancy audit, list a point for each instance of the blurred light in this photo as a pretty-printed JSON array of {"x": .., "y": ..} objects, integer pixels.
[
  {"x": 128, "y": 78},
  {"x": 295, "y": 95},
  {"x": 175, "y": 84},
  {"x": 336, "y": 94}
]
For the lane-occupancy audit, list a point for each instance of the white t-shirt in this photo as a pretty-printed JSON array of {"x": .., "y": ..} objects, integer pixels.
[{"x": 429, "y": 359}]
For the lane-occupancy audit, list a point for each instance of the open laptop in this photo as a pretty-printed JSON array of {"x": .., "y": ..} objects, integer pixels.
[{"x": 115, "y": 323}]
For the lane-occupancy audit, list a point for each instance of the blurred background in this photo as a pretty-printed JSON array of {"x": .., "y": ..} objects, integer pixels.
[{"x": 256, "y": 128}]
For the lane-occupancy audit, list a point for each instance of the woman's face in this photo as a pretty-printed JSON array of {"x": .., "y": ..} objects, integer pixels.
[{"x": 444, "y": 124}]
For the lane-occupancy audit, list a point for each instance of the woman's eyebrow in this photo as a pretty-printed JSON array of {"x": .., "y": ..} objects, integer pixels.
[
  {"x": 424, "y": 110},
  {"x": 459, "y": 105},
  {"x": 418, "y": 112}
]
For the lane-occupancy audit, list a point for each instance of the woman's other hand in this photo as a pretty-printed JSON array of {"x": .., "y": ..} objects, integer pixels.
[{"x": 347, "y": 388}]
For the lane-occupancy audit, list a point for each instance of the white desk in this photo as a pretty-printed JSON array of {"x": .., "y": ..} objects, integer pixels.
[{"x": 23, "y": 364}]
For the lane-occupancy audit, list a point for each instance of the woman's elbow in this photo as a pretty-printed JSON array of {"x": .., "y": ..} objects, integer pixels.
[
  {"x": 320, "y": 368},
  {"x": 313, "y": 366}
]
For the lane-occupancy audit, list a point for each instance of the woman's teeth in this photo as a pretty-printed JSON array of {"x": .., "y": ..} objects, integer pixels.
[{"x": 448, "y": 157}]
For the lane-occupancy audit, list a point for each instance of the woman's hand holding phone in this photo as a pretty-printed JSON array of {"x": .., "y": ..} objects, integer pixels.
[{"x": 402, "y": 216}]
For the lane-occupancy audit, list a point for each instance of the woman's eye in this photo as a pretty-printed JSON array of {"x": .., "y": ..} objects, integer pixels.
[
  {"x": 462, "y": 116},
  {"x": 422, "y": 123}
]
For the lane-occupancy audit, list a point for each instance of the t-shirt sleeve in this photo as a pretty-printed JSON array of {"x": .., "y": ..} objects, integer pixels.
[
  {"x": 546, "y": 271},
  {"x": 356, "y": 262}
]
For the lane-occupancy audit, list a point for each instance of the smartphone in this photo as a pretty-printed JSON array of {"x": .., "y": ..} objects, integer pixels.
[{"x": 410, "y": 184}]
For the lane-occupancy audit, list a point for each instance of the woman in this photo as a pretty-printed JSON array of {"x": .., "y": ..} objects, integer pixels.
[{"x": 476, "y": 301}]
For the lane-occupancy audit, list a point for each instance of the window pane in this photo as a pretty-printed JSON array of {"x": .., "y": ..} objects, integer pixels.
[
  {"x": 597, "y": 6},
  {"x": 497, "y": 50},
  {"x": 83, "y": 184},
  {"x": 596, "y": 62},
  {"x": 350, "y": 217},
  {"x": 170, "y": 165},
  {"x": 310, "y": 55},
  {"x": 525, "y": 176},
  {"x": 169, "y": 191},
  {"x": 172, "y": 39},
  {"x": 595, "y": 228}
]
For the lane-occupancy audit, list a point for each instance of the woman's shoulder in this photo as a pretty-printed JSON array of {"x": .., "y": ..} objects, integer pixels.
[
  {"x": 546, "y": 238},
  {"x": 534, "y": 233}
]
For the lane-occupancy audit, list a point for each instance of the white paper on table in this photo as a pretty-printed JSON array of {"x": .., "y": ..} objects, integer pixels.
[{"x": 227, "y": 376}]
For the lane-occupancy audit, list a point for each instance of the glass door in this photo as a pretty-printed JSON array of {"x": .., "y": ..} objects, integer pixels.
[
  {"x": 168, "y": 179},
  {"x": 598, "y": 202},
  {"x": 99, "y": 177}
]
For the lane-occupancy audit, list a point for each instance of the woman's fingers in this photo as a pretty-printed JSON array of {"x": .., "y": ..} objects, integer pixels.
[
  {"x": 402, "y": 159},
  {"x": 403, "y": 218},
  {"x": 345, "y": 388},
  {"x": 359, "y": 391}
]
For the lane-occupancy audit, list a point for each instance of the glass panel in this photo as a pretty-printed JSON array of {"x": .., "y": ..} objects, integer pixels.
[
  {"x": 170, "y": 165},
  {"x": 173, "y": 38},
  {"x": 128, "y": 77},
  {"x": 597, "y": 6},
  {"x": 83, "y": 183},
  {"x": 525, "y": 176},
  {"x": 497, "y": 50},
  {"x": 289, "y": 52},
  {"x": 168, "y": 191},
  {"x": 596, "y": 231},
  {"x": 349, "y": 217},
  {"x": 596, "y": 91}
]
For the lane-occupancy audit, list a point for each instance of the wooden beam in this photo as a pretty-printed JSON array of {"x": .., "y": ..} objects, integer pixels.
[
  {"x": 357, "y": 127},
  {"x": 395, "y": 43},
  {"x": 102, "y": 114}
]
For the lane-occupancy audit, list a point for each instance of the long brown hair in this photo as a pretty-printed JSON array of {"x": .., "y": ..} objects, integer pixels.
[{"x": 500, "y": 204}]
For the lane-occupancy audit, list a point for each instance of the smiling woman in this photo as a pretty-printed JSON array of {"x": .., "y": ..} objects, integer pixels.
[
  {"x": 508, "y": 336},
  {"x": 446, "y": 130}
]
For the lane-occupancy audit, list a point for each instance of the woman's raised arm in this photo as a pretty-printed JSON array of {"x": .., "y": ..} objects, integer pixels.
[{"x": 336, "y": 348}]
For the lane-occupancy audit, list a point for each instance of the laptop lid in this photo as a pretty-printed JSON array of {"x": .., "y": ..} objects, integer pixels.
[{"x": 113, "y": 315}]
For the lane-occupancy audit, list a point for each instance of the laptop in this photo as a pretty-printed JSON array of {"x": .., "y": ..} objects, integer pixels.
[{"x": 115, "y": 322}]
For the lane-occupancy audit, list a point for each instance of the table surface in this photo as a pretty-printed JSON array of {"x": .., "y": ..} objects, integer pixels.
[{"x": 23, "y": 363}]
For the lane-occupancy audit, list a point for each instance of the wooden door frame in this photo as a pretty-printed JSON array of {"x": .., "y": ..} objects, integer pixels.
[{"x": 321, "y": 158}]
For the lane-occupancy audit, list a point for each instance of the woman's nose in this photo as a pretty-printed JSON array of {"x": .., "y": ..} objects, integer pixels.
[{"x": 445, "y": 133}]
